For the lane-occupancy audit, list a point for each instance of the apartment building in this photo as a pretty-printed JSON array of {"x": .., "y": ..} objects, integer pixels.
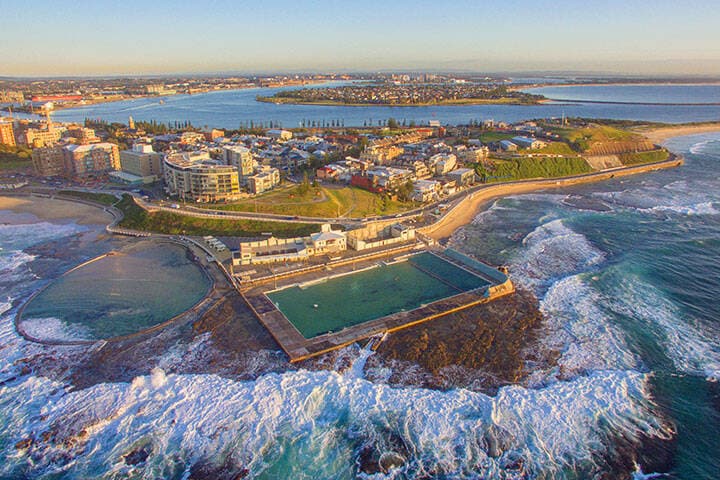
[
  {"x": 49, "y": 161},
  {"x": 7, "y": 135},
  {"x": 142, "y": 161},
  {"x": 266, "y": 179},
  {"x": 92, "y": 159},
  {"x": 241, "y": 158},
  {"x": 196, "y": 177}
]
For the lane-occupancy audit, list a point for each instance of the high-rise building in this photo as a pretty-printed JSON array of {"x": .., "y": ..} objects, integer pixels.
[
  {"x": 199, "y": 178},
  {"x": 93, "y": 159},
  {"x": 36, "y": 137},
  {"x": 7, "y": 135},
  {"x": 240, "y": 158},
  {"x": 49, "y": 161},
  {"x": 142, "y": 161}
]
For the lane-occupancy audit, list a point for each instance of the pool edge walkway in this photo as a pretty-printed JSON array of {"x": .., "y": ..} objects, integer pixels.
[{"x": 299, "y": 348}]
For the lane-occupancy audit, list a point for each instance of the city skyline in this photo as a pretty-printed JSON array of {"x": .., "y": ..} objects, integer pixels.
[{"x": 105, "y": 38}]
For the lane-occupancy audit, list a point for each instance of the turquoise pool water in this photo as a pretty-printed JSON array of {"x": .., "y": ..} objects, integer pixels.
[
  {"x": 356, "y": 298},
  {"x": 118, "y": 295}
]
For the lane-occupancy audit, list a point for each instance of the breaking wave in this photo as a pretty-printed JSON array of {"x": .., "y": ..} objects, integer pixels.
[
  {"x": 315, "y": 424},
  {"x": 689, "y": 350},
  {"x": 583, "y": 334},
  {"x": 553, "y": 251},
  {"x": 53, "y": 329},
  {"x": 707, "y": 147}
]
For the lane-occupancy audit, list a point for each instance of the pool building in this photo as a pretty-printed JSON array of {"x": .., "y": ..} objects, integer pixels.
[{"x": 329, "y": 311}]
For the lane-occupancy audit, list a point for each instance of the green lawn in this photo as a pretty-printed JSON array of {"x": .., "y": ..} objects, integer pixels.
[
  {"x": 15, "y": 158},
  {"x": 582, "y": 138},
  {"x": 175, "y": 224},
  {"x": 488, "y": 137},
  {"x": 555, "y": 148},
  {"x": 328, "y": 202}
]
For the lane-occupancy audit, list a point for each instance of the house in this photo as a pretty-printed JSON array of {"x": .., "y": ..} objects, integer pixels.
[
  {"x": 443, "y": 162},
  {"x": 278, "y": 134},
  {"x": 463, "y": 176},
  {"x": 508, "y": 146},
  {"x": 528, "y": 142},
  {"x": 265, "y": 179},
  {"x": 474, "y": 155},
  {"x": 426, "y": 190}
]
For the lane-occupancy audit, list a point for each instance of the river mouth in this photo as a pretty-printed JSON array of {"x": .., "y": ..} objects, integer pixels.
[{"x": 123, "y": 293}]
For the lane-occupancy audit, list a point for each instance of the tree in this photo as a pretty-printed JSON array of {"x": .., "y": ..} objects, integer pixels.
[
  {"x": 304, "y": 187},
  {"x": 392, "y": 123},
  {"x": 405, "y": 191}
]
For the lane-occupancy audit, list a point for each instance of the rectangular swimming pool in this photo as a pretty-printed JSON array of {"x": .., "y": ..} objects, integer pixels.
[{"x": 358, "y": 297}]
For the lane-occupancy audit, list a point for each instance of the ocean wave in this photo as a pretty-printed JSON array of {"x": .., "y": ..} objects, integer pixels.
[
  {"x": 53, "y": 329},
  {"x": 678, "y": 197},
  {"x": 315, "y": 424},
  {"x": 703, "y": 208},
  {"x": 22, "y": 236},
  {"x": 12, "y": 262},
  {"x": 704, "y": 146},
  {"x": 581, "y": 332},
  {"x": 553, "y": 250},
  {"x": 690, "y": 350}
]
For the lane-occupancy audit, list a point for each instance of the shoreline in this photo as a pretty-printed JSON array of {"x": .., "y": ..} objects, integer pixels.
[
  {"x": 402, "y": 105},
  {"x": 56, "y": 209},
  {"x": 465, "y": 211},
  {"x": 660, "y": 134}
]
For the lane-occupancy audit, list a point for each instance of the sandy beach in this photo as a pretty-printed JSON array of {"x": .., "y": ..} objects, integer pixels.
[
  {"x": 659, "y": 135},
  {"x": 55, "y": 209},
  {"x": 465, "y": 211}
]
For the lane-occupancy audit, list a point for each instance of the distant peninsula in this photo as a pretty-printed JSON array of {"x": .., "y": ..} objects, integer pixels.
[{"x": 406, "y": 95}]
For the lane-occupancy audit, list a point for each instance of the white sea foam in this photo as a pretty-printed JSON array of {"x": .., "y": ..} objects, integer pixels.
[
  {"x": 20, "y": 236},
  {"x": 690, "y": 350},
  {"x": 702, "y": 208},
  {"x": 581, "y": 332},
  {"x": 707, "y": 147},
  {"x": 54, "y": 330},
  {"x": 12, "y": 263},
  {"x": 552, "y": 251},
  {"x": 698, "y": 197},
  {"x": 312, "y": 420}
]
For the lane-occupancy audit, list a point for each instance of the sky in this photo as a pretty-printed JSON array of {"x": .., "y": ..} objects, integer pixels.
[{"x": 84, "y": 37}]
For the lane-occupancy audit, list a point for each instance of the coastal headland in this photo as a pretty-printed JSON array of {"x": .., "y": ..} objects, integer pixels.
[
  {"x": 228, "y": 296},
  {"x": 231, "y": 336},
  {"x": 466, "y": 209}
]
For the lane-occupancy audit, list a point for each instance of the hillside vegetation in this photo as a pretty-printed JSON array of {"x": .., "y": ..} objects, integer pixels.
[
  {"x": 175, "y": 224},
  {"x": 602, "y": 140},
  {"x": 525, "y": 168},
  {"x": 318, "y": 202}
]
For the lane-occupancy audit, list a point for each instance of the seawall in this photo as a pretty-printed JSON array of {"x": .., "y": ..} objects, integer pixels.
[{"x": 466, "y": 209}]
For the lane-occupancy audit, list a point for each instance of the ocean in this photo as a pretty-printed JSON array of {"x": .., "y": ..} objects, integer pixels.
[
  {"x": 235, "y": 108},
  {"x": 626, "y": 273}
]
